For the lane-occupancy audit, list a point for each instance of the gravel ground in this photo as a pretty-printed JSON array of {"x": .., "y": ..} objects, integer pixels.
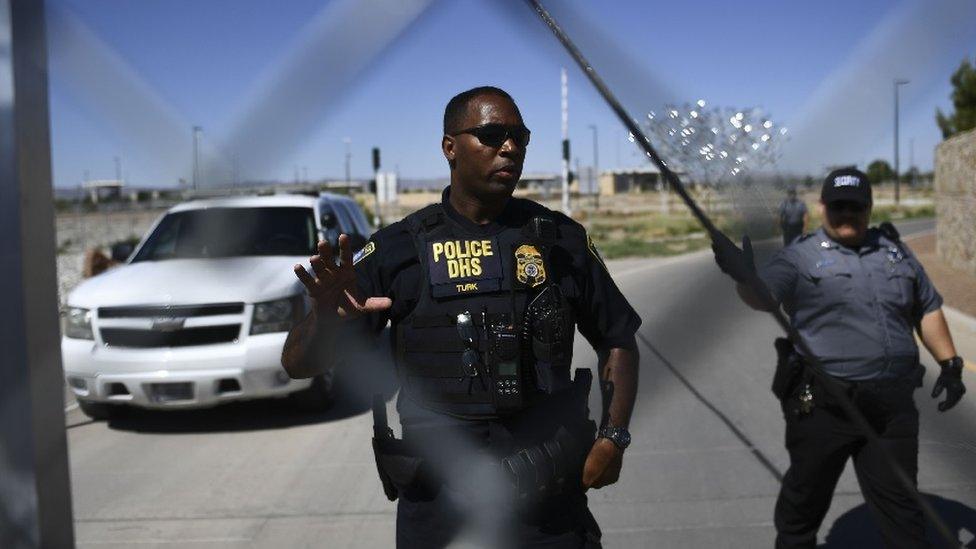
[{"x": 79, "y": 232}]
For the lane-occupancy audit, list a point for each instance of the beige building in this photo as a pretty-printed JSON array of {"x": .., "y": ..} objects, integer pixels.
[{"x": 630, "y": 180}]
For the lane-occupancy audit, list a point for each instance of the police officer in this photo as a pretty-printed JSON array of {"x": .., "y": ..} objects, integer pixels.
[
  {"x": 483, "y": 292},
  {"x": 792, "y": 216},
  {"x": 855, "y": 295}
]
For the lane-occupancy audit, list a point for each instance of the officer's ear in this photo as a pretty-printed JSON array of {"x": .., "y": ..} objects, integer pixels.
[
  {"x": 447, "y": 147},
  {"x": 823, "y": 209}
]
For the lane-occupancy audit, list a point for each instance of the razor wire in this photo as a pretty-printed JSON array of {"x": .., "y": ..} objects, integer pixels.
[{"x": 829, "y": 384}]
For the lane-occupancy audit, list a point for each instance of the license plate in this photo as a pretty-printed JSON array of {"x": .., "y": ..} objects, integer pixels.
[{"x": 171, "y": 392}]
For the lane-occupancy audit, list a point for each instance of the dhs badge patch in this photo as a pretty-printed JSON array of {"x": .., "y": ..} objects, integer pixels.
[{"x": 529, "y": 267}]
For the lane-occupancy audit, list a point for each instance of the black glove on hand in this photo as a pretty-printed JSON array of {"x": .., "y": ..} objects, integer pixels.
[
  {"x": 950, "y": 381},
  {"x": 739, "y": 264}
]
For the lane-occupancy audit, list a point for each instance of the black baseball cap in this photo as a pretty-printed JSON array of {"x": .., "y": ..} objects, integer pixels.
[{"x": 846, "y": 184}]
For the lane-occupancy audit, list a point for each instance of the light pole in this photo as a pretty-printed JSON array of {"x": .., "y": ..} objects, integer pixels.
[
  {"x": 347, "y": 142},
  {"x": 595, "y": 184},
  {"x": 196, "y": 155},
  {"x": 898, "y": 82}
]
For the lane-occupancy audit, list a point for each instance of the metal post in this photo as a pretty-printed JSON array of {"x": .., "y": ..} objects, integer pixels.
[
  {"x": 565, "y": 112},
  {"x": 347, "y": 141},
  {"x": 595, "y": 185},
  {"x": 898, "y": 82},
  {"x": 35, "y": 493},
  {"x": 196, "y": 155}
]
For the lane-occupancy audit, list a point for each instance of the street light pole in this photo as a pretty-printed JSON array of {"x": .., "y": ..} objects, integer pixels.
[
  {"x": 898, "y": 82},
  {"x": 595, "y": 184},
  {"x": 347, "y": 142},
  {"x": 196, "y": 155}
]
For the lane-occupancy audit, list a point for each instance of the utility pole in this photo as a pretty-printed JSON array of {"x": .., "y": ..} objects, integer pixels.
[
  {"x": 196, "y": 155},
  {"x": 911, "y": 161},
  {"x": 595, "y": 174},
  {"x": 348, "y": 142},
  {"x": 36, "y": 495},
  {"x": 377, "y": 219},
  {"x": 565, "y": 113},
  {"x": 898, "y": 82}
]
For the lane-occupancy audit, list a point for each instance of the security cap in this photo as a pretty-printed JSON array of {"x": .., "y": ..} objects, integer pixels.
[{"x": 846, "y": 184}]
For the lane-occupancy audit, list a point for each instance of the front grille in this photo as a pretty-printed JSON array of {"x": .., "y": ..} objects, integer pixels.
[
  {"x": 174, "y": 311},
  {"x": 207, "y": 335}
]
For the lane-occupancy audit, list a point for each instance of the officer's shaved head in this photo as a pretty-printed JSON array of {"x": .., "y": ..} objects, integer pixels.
[{"x": 457, "y": 107}]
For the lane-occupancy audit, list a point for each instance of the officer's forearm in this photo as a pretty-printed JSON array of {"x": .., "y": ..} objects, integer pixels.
[
  {"x": 934, "y": 332},
  {"x": 618, "y": 384},
  {"x": 308, "y": 350}
]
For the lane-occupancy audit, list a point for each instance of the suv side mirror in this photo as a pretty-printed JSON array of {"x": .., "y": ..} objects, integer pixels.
[
  {"x": 121, "y": 251},
  {"x": 329, "y": 220}
]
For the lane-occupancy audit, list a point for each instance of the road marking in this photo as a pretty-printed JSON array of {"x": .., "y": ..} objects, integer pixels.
[{"x": 70, "y": 407}]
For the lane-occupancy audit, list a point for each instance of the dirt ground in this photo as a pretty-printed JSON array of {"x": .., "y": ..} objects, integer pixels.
[{"x": 958, "y": 288}]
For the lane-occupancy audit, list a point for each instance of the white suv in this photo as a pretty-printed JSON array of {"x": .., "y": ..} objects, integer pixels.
[{"x": 198, "y": 313}]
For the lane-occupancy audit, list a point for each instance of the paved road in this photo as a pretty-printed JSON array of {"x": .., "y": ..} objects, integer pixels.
[{"x": 702, "y": 471}]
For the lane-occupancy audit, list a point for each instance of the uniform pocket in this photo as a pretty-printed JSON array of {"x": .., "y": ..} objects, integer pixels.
[
  {"x": 899, "y": 289},
  {"x": 831, "y": 284}
]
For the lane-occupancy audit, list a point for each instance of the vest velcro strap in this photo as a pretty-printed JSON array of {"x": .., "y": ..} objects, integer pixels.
[
  {"x": 430, "y": 370},
  {"x": 441, "y": 321}
]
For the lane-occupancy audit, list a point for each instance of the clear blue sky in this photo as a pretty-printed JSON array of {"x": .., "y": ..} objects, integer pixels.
[{"x": 824, "y": 69}]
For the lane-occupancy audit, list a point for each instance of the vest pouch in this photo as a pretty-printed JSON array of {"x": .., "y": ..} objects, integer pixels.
[{"x": 549, "y": 333}]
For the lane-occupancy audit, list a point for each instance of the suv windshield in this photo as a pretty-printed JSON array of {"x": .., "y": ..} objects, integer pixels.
[{"x": 231, "y": 232}]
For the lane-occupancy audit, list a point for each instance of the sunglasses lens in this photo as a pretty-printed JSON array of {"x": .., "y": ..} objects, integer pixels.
[
  {"x": 521, "y": 136},
  {"x": 470, "y": 362},
  {"x": 492, "y": 136}
]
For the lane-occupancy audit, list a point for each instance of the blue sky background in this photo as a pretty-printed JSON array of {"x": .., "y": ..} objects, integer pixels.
[{"x": 824, "y": 69}]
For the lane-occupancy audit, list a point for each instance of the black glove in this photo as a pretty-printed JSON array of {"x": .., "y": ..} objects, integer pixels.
[
  {"x": 739, "y": 264},
  {"x": 950, "y": 381}
]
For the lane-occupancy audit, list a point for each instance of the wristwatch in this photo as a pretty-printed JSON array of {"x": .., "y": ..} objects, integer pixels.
[{"x": 616, "y": 435}]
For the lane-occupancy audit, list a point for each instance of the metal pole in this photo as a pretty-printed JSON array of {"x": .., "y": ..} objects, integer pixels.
[
  {"x": 196, "y": 155},
  {"x": 898, "y": 82},
  {"x": 35, "y": 490},
  {"x": 565, "y": 126},
  {"x": 347, "y": 142},
  {"x": 595, "y": 185}
]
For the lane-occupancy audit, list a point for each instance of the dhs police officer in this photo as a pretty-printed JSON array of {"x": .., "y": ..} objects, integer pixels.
[
  {"x": 856, "y": 296},
  {"x": 484, "y": 293}
]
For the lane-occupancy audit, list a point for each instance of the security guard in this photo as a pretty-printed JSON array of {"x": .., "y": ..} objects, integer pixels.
[
  {"x": 792, "y": 217},
  {"x": 855, "y": 295},
  {"x": 483, "y": 292}
]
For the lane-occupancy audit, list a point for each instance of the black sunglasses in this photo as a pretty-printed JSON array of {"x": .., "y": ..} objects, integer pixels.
[
  {"x": 846, "y": 205},
  {"x": 495, "y": 135}
]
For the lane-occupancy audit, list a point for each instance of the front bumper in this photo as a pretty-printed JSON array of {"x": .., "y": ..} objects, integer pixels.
[{"x": 184, "y": 377}]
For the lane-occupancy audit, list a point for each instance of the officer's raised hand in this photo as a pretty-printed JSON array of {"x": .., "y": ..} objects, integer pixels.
[
  {"x": 333, "y": 288},
  {"x": 950, "y": 381},
  {"x": 738, "y": 264},
  {"x": 603, "y": 463}
]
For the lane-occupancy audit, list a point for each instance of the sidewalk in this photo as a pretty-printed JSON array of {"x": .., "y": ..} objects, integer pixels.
[{"x": 958, "y": 290}]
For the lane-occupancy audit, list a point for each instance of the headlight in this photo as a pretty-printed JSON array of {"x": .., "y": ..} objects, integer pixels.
[
  {"x": 77, "y": 323},
  {"x": 272, "y": 316}
]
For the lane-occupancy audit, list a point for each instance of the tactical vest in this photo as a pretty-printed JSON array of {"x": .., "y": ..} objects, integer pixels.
[{"x": 514, "y": 344}]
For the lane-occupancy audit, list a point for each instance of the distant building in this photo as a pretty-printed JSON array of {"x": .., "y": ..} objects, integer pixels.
[
  {"x": 103, "y": 189},
  {"x": 630, "y": 180}
]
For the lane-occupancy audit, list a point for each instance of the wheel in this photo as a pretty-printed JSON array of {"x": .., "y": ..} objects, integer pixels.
[
  {"x": 318, "y": 397},
  {"x": 98, "y": 410}
]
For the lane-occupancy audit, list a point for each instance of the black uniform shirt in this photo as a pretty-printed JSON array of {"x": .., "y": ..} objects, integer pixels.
[
  {"x": 856, "y": 309},
  {"x": 389, "y": 266}
]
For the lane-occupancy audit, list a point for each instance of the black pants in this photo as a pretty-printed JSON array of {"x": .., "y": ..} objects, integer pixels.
[
  {"x": 447, "y": 517},
  {"x": 790, "y": 232},
  {"x": 819, "y": 444},
  {"x": 465, "y": 498}
]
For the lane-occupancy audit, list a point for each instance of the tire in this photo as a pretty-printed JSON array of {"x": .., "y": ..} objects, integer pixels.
[
  {"x": 99, "y": 411},
  {"x": 318, "y": 397}
]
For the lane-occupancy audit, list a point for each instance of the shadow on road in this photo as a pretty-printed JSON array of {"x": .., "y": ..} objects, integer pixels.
[
  {"x": 856, "y": 527},
  {"x": 354, "y": 390}
]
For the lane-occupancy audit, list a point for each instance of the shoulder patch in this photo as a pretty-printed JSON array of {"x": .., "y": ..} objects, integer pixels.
[{"x": 362, "y": 254}]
